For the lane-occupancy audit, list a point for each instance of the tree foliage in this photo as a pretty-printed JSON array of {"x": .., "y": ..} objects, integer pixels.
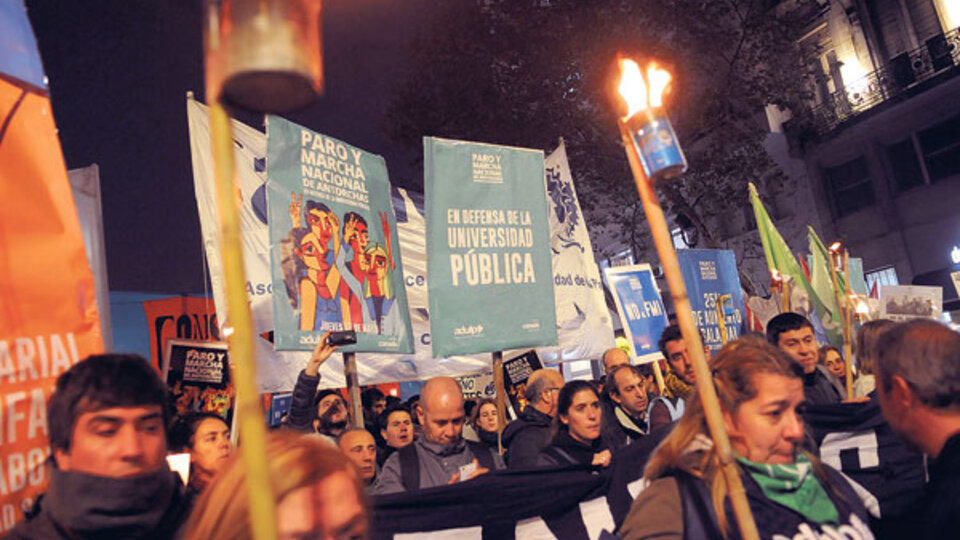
[{"x": 524, "y": 73}]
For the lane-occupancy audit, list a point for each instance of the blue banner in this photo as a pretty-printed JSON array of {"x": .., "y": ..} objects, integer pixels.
[
  {"x": 711, "y": 276},
  {"x": 641, "y": 308}
]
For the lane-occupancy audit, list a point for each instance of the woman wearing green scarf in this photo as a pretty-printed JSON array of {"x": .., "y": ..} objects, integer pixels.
[{"x": 791, "y": 494}]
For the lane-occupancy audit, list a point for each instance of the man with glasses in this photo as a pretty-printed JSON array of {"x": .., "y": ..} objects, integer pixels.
[{"x": 530, "y": 433}]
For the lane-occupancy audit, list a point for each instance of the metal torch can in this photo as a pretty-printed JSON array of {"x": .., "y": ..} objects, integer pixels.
[{"x": 657, "y": 145}]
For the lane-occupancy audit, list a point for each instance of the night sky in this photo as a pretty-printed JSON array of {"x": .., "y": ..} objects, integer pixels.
[{"x": 118, "y": 73}]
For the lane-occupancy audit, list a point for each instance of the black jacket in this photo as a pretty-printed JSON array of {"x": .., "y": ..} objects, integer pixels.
[
  {"x": 818, "y": 389},
  {"x": 942, "y": 500},
  {"x": 303, "y": 411},
  {"x": 564, "y": 450},
  {"x": 80, "y": 506},
  {"x": 526, "y": 437}
]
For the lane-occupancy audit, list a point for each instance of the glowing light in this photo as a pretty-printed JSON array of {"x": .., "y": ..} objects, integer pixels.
[
  {"x": 835, "y": 247},
  {"x": 632, "y": 87},
  {"x": 854, "y": 77},
  {"x": 659, "y": 79},
  {"x": 639, "y": 91},
  {"x": 227, "y": 331},
  {"x": 955, "y": 255},
  {"x": 862, "y": 308}
]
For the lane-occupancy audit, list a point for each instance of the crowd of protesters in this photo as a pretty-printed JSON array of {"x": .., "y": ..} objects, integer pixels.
[{"x": 110, "y": 432}]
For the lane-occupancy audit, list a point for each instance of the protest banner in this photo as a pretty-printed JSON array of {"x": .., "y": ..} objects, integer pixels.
[
  {"x": 183, "y": 317},
  {"x": 488, "y": 248},
  {"x": 278, "y": 369},
  {"x": 641, "y": 308},
  {"x": 583, "y": 501},
  {"x": 197, "y": 375},
  {"x": 584, "y": 328},
  {"x": 333, "y": 243},
  {"x": 516, "y": 371},
  {"x": 905, "y": 302},
  {"x": 476, "y": 385},
  {"x": 711, "y": 276},
  {"x": 48, "y": 313}
]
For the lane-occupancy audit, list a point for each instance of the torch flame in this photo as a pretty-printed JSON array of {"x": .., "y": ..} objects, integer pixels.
[
  {"x": 632, "y": 87},
  {"x": 659, "y": 80},
  {"x": 862, "y": 308},
  {"x": 639, "y": 91}
]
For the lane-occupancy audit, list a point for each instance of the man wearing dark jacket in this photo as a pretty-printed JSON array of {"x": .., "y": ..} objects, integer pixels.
[
  {"x": 793, "y": 334},
  {"x": 917, "y": 385},
  {"x": 323, "y": 412},
  {"x": 109, "y": 478},
  {"x": 530, "y": 434},
  {"x": 627, "y": 422}
]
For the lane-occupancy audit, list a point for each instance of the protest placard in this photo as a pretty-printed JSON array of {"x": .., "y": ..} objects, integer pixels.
[
  {"x": 488, "y": 255},
  {"x": 516, "y": 371},
  {"x": 335, "y": 260},
  {"x": 641, "y": 308},
  {"x": 197, "y": 375},
  {"x": 711, "y": 275}
]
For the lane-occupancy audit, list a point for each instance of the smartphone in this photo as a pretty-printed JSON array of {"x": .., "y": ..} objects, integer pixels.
[
  {"x": 467, "y": 470},
  {"x": 346, "y": 337},
  {"x": 180, "y": 464}
]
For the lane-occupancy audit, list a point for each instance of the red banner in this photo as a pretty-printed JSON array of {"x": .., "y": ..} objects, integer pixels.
[{"x": 183, "y": 317}]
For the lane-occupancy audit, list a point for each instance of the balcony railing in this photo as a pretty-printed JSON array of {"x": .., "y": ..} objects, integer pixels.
[{"x": 904, "y": 72}]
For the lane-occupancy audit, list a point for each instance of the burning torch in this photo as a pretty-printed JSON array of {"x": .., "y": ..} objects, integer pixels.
[{"x": 654, "y": 154}]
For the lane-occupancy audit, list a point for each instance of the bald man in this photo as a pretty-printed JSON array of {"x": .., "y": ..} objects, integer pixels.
[
  {"x": 614, "y": 357},
  {"x": 530, "y": 433},
  {"x": 441, "y": 454}
]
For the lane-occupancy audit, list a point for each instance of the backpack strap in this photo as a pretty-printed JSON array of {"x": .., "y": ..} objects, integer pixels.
[
  {"x": 409, "y": 467},
  {"x": 482, "y": 453}
]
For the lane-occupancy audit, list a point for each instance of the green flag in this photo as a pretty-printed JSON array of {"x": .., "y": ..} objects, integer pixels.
[
  {"x": 803, "y": 299},
  {"x": 822, "y": 284}
]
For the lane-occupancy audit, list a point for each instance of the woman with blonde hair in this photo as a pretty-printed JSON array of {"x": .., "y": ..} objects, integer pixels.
[
  {"x": 760, "y": 390},
  {"x": 317, "y": 491}
]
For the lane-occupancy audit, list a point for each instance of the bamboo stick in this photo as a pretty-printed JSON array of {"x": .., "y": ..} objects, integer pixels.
[
  {"x": 353, "y": 389},
  {"x": 497, "y": 365},
  {"x": 241, "y": 340},
  {"x": 691, "y": 336}
]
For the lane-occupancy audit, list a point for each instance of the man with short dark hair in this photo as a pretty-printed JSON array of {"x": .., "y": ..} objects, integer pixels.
[
  {"x": 324, "y": 412},
  {"x": 396, "y": 431},
  {"x": 109, "y": 475},
  {"x": 793, "y": 334},
  {"x": 919, "y": 392},
  {"x": 678, "y": 380},
  {"x": 437, "y": 458},
  {"x": 628, "y": 421},
  {"x": 529, "y": 434}
]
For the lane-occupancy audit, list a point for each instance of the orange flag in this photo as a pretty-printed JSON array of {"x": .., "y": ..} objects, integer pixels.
[{"x": 48, "y": 309}]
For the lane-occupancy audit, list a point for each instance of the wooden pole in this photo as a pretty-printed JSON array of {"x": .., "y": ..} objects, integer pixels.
[
  {"x": 241, "y": 340},
  {"x": 658, "y": 375},
  {"x": 497, "y": 365},
  {"x": 847, "y": 311},
  {"x": 353, "y": 389},
  {"x": 691, "y": 336},
  {"x": 784, "y": 294},
  {"x": 847, "y": 349}
]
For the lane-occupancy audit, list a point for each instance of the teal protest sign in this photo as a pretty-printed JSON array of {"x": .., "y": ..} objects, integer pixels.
[
  {"x": 335, "y": 259},
  {"x": 488, "y": 251}
]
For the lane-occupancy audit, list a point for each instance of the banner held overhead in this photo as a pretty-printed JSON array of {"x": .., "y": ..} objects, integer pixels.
[
  {"x": 711, "y": 276},
  {"x": 488, "y": 248},
  {"x": 333, "y": 236},
  {"x": 641, "y": 308}
]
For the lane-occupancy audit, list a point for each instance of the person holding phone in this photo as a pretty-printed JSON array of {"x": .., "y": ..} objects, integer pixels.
[{"x": 324, "y": 412}]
